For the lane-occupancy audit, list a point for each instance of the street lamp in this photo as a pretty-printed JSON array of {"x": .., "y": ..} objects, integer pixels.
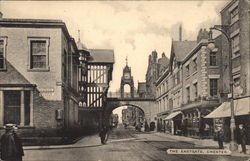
[{"x": 224, "y": 30}]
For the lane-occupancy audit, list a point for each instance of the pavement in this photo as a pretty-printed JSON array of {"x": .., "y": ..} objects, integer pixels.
[{"x": 204, "y": 142}]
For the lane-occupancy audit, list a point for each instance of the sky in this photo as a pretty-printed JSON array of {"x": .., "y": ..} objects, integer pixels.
[{"x": 131, "y": 28}]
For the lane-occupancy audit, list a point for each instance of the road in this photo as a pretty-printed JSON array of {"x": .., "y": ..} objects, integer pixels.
[{"x": 124, "y": 145}]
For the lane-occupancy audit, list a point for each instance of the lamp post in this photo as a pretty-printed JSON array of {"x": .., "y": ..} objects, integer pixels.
[{"x": 224, "y": 30}]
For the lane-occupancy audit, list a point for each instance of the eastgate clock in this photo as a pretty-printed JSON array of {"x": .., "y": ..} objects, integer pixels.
[{"x": 126, "y": 75}]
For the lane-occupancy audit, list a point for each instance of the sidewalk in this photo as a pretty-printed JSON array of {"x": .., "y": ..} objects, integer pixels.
[
  {"x": 92, "y": 140},
  {"x": 204, "y": 142}
]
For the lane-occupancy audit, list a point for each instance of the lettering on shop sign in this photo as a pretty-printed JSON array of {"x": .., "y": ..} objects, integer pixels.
[{"x": 46, "y": 92}]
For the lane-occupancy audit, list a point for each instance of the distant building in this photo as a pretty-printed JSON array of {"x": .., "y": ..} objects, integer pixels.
[
  {"x": 141, "y": 89},
  {"x": 38, "y": 71},
  {"x": 155, "y": 68}
]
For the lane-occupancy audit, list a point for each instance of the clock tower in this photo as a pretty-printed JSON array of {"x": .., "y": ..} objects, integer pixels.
[{"x": 127, "y": 78}]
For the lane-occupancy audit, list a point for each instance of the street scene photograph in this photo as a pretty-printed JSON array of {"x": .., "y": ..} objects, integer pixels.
[{"x": 125, "y": 80}]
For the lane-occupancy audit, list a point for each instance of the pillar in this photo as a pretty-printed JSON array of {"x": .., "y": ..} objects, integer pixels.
[
  {"x": 22, "y": 111},
  {"x": 1, "y": 108},
  {"x": 31, "y": 109}
]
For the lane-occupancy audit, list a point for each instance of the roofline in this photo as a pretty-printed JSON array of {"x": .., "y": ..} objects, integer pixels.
[
  {"x": 35, "y": 23},
  {"x": 227, "y": 5},
  {"x": 194, "y": 50},
  {"x": 164, "y": 75}
]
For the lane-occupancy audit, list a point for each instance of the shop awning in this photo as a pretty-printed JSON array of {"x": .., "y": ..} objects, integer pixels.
[
  {"x": 241, "y": 107},
  {"x": 172, "y": 115}
]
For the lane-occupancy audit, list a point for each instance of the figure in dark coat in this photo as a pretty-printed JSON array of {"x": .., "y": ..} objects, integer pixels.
[
  {"x": 103, "y": 134},
  {"x": 11, "y": 146},
  {"x": 220, "y": 137},
  {"x": 242, "y": 138}
]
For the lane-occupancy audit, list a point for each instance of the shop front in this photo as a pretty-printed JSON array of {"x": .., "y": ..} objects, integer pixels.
[
  {"x": 221, "y": 117},
  {"x": 173, "y": 122}
]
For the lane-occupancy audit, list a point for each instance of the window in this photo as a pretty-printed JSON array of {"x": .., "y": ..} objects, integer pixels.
[
  {"x": 235, "y": 45},
  {"x": 2, "y": 53},
  {"x": 38, "y": 53},
  {"x": 195, "y": 64},
  {"x": 213, "y": 59},
  {"x": 195, "y": 90},
  {"x": 187, "y": 70},
  {"x": 188, "y": 94},
  {"x": 237, "y": 81},
  {"x": 213, "y": 87},
  {"x": 234, "y": 14}
]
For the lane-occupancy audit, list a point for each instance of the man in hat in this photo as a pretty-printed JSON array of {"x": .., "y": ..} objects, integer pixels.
[
  {"x": 11, "y": 146},
  {"x": 243, "y": 138}
]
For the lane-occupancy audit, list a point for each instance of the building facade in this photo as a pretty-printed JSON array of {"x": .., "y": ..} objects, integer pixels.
[
  {"x": 235, "y": 23},
  {"x": 155, "y": 68},
  {"x": 38, "y": 70}
]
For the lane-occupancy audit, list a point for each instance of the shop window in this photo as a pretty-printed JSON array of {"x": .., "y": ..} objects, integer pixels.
[
  {"x": 12, "y": 102},
  {"x": 213, "y": 87}
]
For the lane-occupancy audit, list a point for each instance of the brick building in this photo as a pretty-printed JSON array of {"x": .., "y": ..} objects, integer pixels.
[
  {"x": 235, "y": 19},
  {"x": 38, "y": 70}
]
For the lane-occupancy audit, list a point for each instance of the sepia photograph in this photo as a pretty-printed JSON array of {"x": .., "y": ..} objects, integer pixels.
[{"x": 126, "y": 80}]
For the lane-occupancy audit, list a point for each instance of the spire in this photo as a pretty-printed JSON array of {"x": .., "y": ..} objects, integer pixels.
[
  {"x": 79, "y": 35},
  {"x": 126, "y": 60}
]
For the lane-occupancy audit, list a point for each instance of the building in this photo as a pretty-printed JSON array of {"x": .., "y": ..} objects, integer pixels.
[
  {"x": 155, "y": 68},
  {"x": 200, "y": 85},
  {"x": 141, "y": 89},
  {"x": 235, "y": 19},
  {"x": 169, "y": 87},
  {"x": 96, "y": 80},
  {"x": 38, "y": 70}
]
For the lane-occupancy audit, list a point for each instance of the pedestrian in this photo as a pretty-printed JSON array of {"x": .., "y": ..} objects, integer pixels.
[
  {"x": 103, "y": 133},
  {"x": 11, "y": 145},
  {"x": 242, "y": 138},
  {"x": 220, "y": 137}
]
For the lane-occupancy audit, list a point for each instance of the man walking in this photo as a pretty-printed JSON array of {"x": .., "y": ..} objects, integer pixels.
[
  {"x": 11, "y": 146},
  {"x": 220, "y": 137},
  {"x": 242, "y": 138}
]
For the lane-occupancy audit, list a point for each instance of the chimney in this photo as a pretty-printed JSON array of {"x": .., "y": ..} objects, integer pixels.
[
  {"x": 1, "y": 14},
  {"x": 180, "y": 32}
]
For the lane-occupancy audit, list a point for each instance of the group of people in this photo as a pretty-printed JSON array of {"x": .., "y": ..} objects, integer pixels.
[
  {"x": 241, "y": 137},
  {"x": 11, "y": 148}
]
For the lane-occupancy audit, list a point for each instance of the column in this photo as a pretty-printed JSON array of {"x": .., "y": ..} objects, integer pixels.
[
  {"x": 22, "y": 111},
  {"x": 1, "y": 108},
  {"x": 31, "y": 109}
]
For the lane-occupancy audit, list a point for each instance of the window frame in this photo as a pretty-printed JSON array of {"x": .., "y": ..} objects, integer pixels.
[
  {"x": 212, "y": 89},
  {"x": 33, "y": 39},
  {"x": 213, "y": 59},
  {"x": 4, "y": 39}
]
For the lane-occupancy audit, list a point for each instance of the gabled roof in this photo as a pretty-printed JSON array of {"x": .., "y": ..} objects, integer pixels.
[
  {"x": 101, "y": 56},
  {"x": 182, "y": 48}
]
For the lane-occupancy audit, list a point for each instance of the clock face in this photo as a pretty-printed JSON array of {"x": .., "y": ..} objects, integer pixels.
[{"x": 126, "y": 76}]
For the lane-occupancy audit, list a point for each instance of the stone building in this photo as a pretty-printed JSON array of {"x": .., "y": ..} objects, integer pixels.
[
  {"x": 169, "y": 87},
  {"x": 235, "y": 19},
  {"x": 155, "y": 68},
  {"x": 38, "y": 71}
]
